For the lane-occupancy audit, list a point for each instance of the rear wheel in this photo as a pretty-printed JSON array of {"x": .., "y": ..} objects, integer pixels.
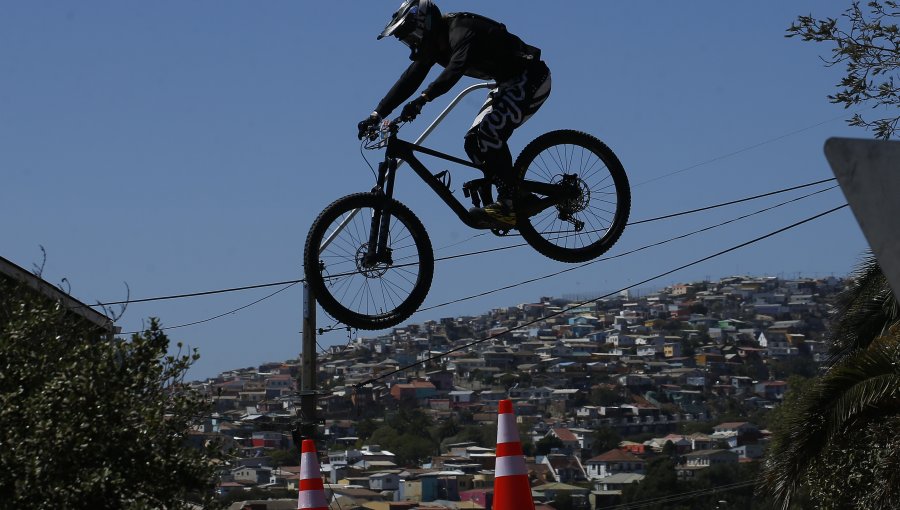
[
  {"x": 354, "y": 290},
  {"x": 590, "y": 222}
]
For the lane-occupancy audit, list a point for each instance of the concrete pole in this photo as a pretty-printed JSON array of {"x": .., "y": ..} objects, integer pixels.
[{"x": 308, "y": 366}]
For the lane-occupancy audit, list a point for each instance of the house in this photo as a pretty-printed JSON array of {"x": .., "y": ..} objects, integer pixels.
[
  {"x": 269, "y": 440},
  {"x": 672, "y": 350},
  {"x": 569, "y": 439},
  {"x": 679, "y": 442},
  {"x": 634, "y": 448},
  {"x": 771, "y": 390},
  {"x": 252, "y": 475},
  {"x": 700, "y": 441},
  {"x": 226, "y": 488},
  {"x": 617, "y": 482},
  {"x": 748, "y": 451},
  {"x": 385, "y": 481},
  {"x": 10, "y": 272},
  {"x": 481, "y": 497},
  {"x": 416, "y": 390},
  {"x": 778, "y": 344},
  {"x": 614, "y": 461},
  {"x": 565, "y": 468},
  {"x": 461, "y": 397},
  {"x": 703, "y": 459},
  {"x": 550, "y": 491},
  {"x": 706, "y": 458}
]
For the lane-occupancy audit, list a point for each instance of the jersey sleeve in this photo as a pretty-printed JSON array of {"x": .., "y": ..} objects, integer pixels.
[
  {"x": 461, "y": 46},
  {"x": 406, "y": 85}
]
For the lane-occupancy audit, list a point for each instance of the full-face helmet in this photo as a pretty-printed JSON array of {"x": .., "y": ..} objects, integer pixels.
[{"x": 412, "y": 22}]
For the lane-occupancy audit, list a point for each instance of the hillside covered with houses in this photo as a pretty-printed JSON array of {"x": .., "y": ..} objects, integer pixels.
[{"x": 610, "y": 397}]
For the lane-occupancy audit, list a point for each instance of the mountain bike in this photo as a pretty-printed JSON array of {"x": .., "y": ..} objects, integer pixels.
[{"x": 369, "y": 260}]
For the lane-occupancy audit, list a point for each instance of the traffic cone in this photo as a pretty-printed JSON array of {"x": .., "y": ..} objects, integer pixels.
[
  {"x": 512, "y": 491},
  {"x": 312, "y": 490}
]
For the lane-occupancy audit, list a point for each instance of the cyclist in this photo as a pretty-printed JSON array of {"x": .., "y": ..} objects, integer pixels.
[{"x": 467, "y": 44}]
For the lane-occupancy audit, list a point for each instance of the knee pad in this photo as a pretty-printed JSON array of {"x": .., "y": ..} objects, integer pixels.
[{"x": 472, "y": 148}]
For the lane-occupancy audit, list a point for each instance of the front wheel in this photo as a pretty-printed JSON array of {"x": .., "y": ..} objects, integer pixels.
[
  {"x": 355, "y": 290},
  {"x": 587, "y": 224}
]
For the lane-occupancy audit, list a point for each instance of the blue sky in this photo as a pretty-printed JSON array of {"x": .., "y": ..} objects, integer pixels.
[{"x": 187, "y": 146}]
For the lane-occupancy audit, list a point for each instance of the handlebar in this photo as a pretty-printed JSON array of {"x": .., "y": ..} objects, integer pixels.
[{"x": 377, "y": 136}]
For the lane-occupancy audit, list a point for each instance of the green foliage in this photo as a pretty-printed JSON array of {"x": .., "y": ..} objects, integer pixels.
[
  {"x": 863, "y": 311},
  {"x": 406, "y": 434},
  {"x": 603, "y": 396},
  {"x": 289, "y": 457},
  {"x": 669, "y": 449},
  {"x": 690, "y": 427},
  {"x": 804, "y": 366},
  {"x": 837, "y": 438},
  {"x": 661, "y": 490},
  {"x": 90, "y": 422},
  {"x": 563, "y": 501},
  {"x": 660, "y": 481},
  {"x": 867, "y": 43},
  {"x": 848, "y": 421},
  {"x": 448, "y": 428},
  {"x": 547, "y": 444},
  {"x": 482, "y": 435},
  {"x": 605, "y": 439},
  {"x": 365, "y": 429}
]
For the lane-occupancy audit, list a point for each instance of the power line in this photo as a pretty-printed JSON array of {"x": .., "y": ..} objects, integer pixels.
[
  {"x": 519, "y": 245},
  {"x": 658, "y": 218},
  {"x": 682, "y": 496},
  {"x": 594, "y": 300},
  {"x": 210, "y": 319},
  {"x": 739, "y": 151},
  {"x": 732, "y": 202},
  {"x": 203, "y": 293},
  {"x": 629, "y": 252},
  {"x": 451, "y": 257}
]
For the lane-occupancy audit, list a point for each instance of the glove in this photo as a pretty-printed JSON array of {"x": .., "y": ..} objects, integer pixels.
[
  {"x": 368, "y": 125},
  {"x": 413, "y": 109}
]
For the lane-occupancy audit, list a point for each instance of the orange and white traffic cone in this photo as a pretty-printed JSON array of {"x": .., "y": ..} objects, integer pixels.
[
  {"x": 512, "y": 491},
  {"x": 312, "y": 490}
]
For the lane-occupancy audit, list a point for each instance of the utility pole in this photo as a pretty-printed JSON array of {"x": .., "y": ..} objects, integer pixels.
[{"x": 306, "y": 426}]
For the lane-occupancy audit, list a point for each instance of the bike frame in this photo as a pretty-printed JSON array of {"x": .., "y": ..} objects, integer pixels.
[
  {"x": 399, "y": 151},
  {"x": 431, "y": 127}
]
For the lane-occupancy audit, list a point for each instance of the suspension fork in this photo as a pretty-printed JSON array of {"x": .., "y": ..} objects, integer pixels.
[{"x": 378, "y": 251}]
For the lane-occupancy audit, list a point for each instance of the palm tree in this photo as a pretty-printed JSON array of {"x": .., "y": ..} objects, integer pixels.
[
  {"x": 863, "y": 312},
  {"x": 839, "y": 443}
]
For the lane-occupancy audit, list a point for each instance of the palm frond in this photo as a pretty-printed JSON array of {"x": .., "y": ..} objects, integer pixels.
[
  {"x": 863, "y": 389},
  {"x": 864, "y": 311}
]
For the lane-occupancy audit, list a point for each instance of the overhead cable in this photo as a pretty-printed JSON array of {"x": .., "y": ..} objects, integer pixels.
[
  {"x": 288, "y": 286},
  {"x": 519, "y": 245},
  {"x": 739, "y": 151},
  {"x": 451, "y": 257},
  {"x": 594, "y": 300},
  {"x": 658, "y": 218},
  {"x": 629, "y": 252},
  {"x": 683, "y": 496},
  {"x": 203, "y": 293}
]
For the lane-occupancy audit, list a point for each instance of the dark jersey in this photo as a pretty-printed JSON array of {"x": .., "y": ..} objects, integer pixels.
[{"x": 477, "y": 47}]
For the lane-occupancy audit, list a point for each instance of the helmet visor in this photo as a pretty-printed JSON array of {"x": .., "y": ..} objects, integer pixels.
[{"x": 404, "y": 20}]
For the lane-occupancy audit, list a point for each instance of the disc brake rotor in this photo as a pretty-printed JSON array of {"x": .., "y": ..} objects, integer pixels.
[{"x": 369, "y": 270}]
